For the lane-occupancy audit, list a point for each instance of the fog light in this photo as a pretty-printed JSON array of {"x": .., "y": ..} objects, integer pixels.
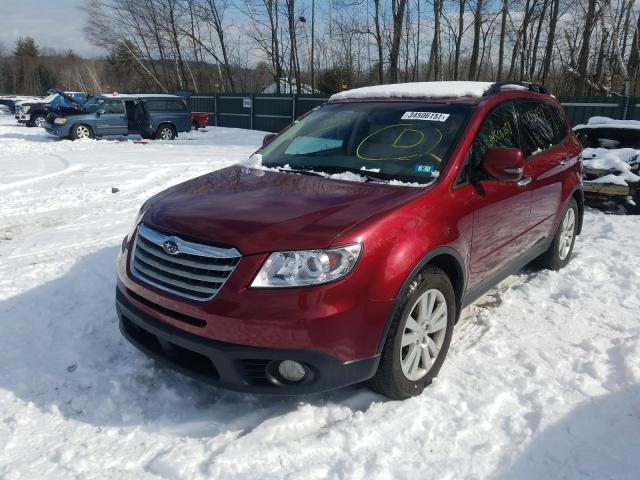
[{"x": 291, "y": 371}]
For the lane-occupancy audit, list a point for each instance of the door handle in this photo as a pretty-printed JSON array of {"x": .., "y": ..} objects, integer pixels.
[{"x": 524, "y": 181}]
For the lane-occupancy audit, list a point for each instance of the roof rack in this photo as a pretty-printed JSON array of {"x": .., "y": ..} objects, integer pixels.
[{"x": 532, "y": 87}]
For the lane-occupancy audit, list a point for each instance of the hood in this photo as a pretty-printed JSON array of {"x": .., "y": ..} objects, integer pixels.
[
  {"x": 67, "y": 97},
  {"x": 259, "y": 211}
]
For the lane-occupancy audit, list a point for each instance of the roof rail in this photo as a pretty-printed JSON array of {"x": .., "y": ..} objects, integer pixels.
[{"x": 532, "y": 87}]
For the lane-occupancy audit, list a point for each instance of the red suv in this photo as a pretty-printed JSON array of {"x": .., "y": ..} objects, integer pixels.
[{"x": 348, "y": 251}]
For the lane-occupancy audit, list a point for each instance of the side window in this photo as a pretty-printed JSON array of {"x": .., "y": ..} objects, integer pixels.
[
  {"x": 538, "y": 133},
  {"x": 113, "y": 106},
  {"x": 499, "y": 129},
  {"x": 177, "y": 105},
  {"x": 155, "y": 105},
  {"x": 560, "y": 127},
  {"x": 166, "y": 105}
]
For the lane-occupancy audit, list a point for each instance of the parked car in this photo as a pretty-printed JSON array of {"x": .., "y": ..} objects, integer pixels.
[
  {"x": 199, "y": 120},
  {"x": 346, "y": 253},
  {"x": 611, "y": 159},
  {"x": 149, "y": 115},
  {"x": 11, "y": 100},
  {"x": 33, "y": 113}
]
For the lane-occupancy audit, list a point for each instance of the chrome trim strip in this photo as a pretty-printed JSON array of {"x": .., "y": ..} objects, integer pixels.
[{"x": 189, "y": 248}]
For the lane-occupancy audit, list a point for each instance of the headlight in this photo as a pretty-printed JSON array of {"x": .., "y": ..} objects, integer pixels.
[
  {"x": 307, "y": 267},
  {"x": 60, "y": 121}
]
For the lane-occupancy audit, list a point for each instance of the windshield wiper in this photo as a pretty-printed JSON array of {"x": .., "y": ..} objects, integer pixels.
[
  {"x": 301, "y": 171},
  {"x": 371, "y": 176}
]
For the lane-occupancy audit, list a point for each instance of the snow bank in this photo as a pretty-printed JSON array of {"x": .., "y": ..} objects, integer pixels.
[
  {"x": 417, "y": 90},
  {"x": 606, "y": 122}
]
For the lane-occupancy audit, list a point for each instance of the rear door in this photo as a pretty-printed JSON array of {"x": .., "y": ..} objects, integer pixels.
[
  {"x": 111, "y": 119},
  {"x": 501, "y": 208},
  {"x": 546, "y": 162}
]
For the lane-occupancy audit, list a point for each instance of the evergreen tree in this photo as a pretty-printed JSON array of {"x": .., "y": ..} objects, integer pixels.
[{"x": 26, "y": 47}]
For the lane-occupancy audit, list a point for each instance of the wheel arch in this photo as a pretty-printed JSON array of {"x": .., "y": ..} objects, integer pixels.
[
  {"x": 167, "y": 122},
  {"x": 578, "y": 196},
  {"x": 445, "y": 258}
]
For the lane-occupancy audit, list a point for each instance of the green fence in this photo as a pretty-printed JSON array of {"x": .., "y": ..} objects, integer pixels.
[
  {"x": 580, "y": 109},
  {"x": 272, "y": 113}
]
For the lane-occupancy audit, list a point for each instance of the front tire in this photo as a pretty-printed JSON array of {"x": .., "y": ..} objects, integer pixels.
[
  {"x": 80, "y": 131},
  {"x": 419, "y": 336},
  {"x": 38, "y": 120},
  {"x": 561, "y": 248}
]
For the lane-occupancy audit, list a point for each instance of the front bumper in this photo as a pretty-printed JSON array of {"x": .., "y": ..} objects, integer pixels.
[
  {"x": 22, "y": 118},
  {"x": 232, "y": 366}
]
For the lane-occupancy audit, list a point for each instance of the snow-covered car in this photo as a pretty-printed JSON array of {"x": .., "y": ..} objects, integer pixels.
[{"x": 611, "y": 160}]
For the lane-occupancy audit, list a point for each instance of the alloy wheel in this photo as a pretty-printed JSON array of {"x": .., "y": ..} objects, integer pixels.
[
  {"x": 39, "y": 121},
  {"x": 166, "y": 133},
  {"x": 423, "y": 334},
  {"x": 567, "y": 231},
  {"x": 82, "y": 131}
]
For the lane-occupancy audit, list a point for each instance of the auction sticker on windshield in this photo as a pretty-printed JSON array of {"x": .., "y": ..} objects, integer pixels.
[{"x": 430, "y": 116}]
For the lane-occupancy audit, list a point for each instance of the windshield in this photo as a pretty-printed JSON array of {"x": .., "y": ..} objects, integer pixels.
[
  {"x": 406, "y": 141},
  {"x": 94, "y": 104}
]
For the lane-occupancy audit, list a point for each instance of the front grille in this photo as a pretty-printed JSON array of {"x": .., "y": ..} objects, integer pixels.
[{"x": 186, "y": 269}]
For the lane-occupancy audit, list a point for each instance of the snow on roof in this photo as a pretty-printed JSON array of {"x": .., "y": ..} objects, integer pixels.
[
  {"x": 139, "y": 95},
  {"x": 606, "y": 122},
  {"x": 117, "y": 95},
  {"x": 157, "y": 95},
  {"x": 417, "y": 90}
]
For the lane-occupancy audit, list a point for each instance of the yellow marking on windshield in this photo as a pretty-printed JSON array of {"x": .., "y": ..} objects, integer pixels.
[
  {"x": 401, "y": 157},
  {"x": 396, "y": 145}
]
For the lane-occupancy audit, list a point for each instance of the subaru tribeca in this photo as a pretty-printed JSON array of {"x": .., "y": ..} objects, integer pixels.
[{"x": 345, "y": 251}]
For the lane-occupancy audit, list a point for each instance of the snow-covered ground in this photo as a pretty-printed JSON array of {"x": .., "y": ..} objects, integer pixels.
[{"x": 542, "y": 380}]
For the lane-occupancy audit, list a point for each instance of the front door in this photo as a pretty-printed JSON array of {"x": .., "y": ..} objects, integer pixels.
[
  {"x": 111, "y": 119},
  {"x": 501, "y": 208}
]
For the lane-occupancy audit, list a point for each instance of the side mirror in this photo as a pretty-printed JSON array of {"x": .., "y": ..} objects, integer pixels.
[
  {"x": 99, "y": 113},
  {"x": 267, "y": 138},
  {"x": 504, "y": 163}
]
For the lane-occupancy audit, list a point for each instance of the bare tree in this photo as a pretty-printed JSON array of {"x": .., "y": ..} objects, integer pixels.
[
  {"x": 435, "y": 58},
  {"x": 397, "y": 14}
]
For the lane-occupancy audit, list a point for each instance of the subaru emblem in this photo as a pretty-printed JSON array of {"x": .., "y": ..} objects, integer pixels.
[{"x": 171, "y": 247}]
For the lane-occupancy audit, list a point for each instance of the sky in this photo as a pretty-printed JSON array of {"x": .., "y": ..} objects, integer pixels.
[{"x": 52, "y": 23}]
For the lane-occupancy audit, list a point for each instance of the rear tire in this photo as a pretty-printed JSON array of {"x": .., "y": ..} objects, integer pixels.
[
  {"x": 561, "y": 248},
  {"x": 419, "y": 336},
  {"x": 166, "y": 132},
  {"x": 80, "y": 131}
]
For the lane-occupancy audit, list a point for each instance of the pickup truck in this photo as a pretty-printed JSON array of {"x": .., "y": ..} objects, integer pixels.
[
  {"x": 199, "y": 120},
  {"x": 34, "y": 113}
]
